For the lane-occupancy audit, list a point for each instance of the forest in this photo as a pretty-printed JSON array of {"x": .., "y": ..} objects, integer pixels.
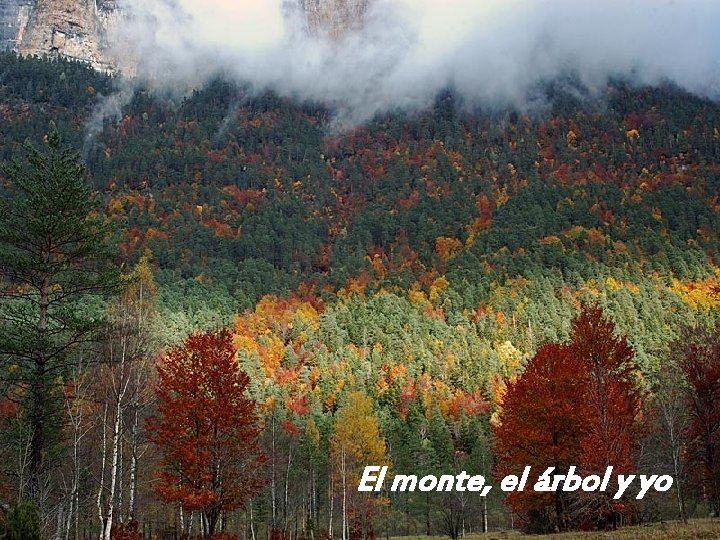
[{"x": 217, "y": 309}]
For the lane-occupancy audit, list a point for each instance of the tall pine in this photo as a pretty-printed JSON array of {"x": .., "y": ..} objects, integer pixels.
[{"x": 55, "y": 265}]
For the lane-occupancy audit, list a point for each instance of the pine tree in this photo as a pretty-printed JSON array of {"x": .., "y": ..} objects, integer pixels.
[{"x": 55, "y": 262}]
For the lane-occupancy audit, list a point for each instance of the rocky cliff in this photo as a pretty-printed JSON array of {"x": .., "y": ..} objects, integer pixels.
[
  {"x": 334, "y": 17},
  {"x": 76, "y": 29},
  {"x": 14, "y": 16},
  {"x": 70, "y": 28}
]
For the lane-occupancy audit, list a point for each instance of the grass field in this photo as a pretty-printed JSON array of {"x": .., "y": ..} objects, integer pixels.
[{"x": 696, "y": 528}]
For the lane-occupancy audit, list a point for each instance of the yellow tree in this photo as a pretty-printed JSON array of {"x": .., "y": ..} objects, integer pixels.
[{"x": 354, "y": 444}]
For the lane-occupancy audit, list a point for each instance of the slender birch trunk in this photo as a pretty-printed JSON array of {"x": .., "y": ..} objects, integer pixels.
[{"x": 101, "y": 488}]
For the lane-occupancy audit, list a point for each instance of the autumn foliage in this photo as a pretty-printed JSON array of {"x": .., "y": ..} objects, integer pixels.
[
  {"x": 205, "y": 428},
  {"x": 355, "y": 443},
  {"x": 576, "y": 404}
]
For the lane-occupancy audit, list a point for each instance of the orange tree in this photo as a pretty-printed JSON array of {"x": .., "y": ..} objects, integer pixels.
[{"x": 205, "y": 428}]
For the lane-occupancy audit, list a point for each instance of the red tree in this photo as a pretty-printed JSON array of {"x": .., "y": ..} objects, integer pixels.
[
  {"x": 614, "y": 396},
  {"x": 576, "y": 404},
  {"x": 542, "y": 424},
  {"x": 205, "y": 428}
]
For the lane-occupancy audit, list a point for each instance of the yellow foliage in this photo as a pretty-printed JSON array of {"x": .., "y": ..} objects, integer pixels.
[
  {"x": 116, "y": 206},
  {"x": 551, "y": 239},
  {"x": 612, "y": 283},
  {"x": 418, "y": 298},
  {"x": 701, "y": 295},
  {"x": 312, "y": 433},
  {"x": 439, "y": 286},
  {"x": 355, "y": 441},
  {"x": 571, "y": 138},
  {"x": 501, "y": 196},
  {"x": 245, "y": 343},
  {"x": 271, "y": 355},
  {"x": 509, "y": 356}
]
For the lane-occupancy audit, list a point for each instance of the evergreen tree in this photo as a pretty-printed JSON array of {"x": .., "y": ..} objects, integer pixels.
[{"x": 55, "y": 264}]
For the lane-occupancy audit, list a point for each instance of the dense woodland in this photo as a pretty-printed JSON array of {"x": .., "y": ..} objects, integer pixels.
[{"x": 401, "y": 293}]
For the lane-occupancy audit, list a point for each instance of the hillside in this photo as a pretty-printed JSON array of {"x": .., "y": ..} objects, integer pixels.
[
  {"x": 225, "y": 186},
  {"x": 421, "y": 259}
]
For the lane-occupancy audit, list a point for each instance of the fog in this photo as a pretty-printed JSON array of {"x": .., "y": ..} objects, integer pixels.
[{"x": 491, "y": 52}]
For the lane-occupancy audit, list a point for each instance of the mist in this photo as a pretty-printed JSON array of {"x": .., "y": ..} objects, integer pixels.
[{"x": 493, "y": 53}]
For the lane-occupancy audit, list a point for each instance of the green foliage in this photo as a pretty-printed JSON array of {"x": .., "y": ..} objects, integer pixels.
[
  {"x": 21, "y": 523},
  {"x": 55, "y": 264}
]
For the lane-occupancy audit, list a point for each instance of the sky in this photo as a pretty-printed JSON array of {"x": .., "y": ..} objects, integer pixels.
[{"x": 493, "y": 52}]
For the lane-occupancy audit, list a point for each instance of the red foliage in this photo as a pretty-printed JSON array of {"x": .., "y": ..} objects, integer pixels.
[
  {"x": 126, "y": 531},
  {"x": 614, "y": 396},
  {"x": 612, "y": 392},
  {"x": 205, "y": 427},
  {"x": 543, "y": 422},
  {"x": 575, "y": 404}
]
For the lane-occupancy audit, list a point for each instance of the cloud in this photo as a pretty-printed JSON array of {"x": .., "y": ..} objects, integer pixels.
[{"x": 493, "y": 52}]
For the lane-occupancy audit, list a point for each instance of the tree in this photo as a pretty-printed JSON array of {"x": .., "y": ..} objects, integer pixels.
[
  {"x": 613, "y": 393},
  {"x": 125, "y": 349},
  {"x": 542, "y": 424},
  {"x": 21, "y": 523},
  {"x": 576, "y": 404},
  {"x": 355, "y": 443},
  {"x": 55, "y": 260},
  {"x": 700, "y": 363},
  {"x": 205, "y": 428},
  {"x": 672, "y": 421}
]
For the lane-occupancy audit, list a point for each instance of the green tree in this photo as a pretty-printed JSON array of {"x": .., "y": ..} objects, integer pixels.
[
  {"x": 55, "y": 265},
  {"x": 21, "y": 523}
]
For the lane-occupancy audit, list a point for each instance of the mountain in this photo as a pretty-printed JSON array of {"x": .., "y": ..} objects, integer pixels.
[
  {"x": 419, "y": 259},
  {"x": 238, "y": 195}
]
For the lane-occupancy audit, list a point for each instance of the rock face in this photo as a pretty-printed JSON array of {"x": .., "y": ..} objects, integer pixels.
[
  {"x": 14, "y": 16},
  {"x": 76, "y": 29},
  {"x": 334, "y": 17}
]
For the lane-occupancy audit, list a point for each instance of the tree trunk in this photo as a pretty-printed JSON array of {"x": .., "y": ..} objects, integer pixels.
[
  {"x": 133, "y": 465},
  {"x": 273, "y": 494},
  {"x": 39, "y": 398},
  {"x": 113, "y": 470},
  {"x": 344, "y": 494},
  {"x": 287, "y": 482},
  {"x": 101, "y": 488},
  {"x": 252, "y": 524},
  {"x": 485, "y": 516},
  {"x": 331, "y": 496}
]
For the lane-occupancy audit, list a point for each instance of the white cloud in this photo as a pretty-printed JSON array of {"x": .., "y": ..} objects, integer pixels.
[{"x": 491, "y": 51}]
